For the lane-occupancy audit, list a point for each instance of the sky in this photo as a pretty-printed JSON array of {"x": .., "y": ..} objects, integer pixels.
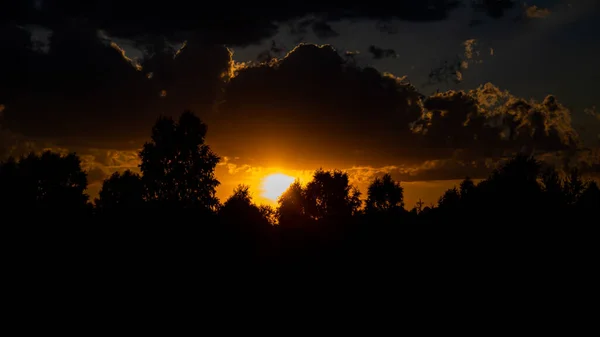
[{"x": 428, "y": 92}]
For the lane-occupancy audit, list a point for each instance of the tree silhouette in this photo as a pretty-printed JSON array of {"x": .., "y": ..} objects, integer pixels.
[
  {"x": 246, "y": 224},
  {"x": 239, "y": 209},
  {"x": 330, "y": 195},
  {"x": 385, "y": 195},
  {"x": 554, "y": 190},
  {"x": 512, "y": 188},
  {"x": 177, "y": 167},
  {"x": 291, "y": 212},
  {"x": 450, "y": 200},
  {"x": 589, "y": 200},
  {"x": 467, "y": 188},
  {"x": 49, "y": 180},
  {"x": 121, "y": 191},
  {"x": 574, "y": 186},
  {"x": 269, "y": 213}
]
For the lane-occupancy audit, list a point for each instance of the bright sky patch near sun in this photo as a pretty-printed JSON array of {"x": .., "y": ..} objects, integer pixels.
[{"x": 275, "y": 184}]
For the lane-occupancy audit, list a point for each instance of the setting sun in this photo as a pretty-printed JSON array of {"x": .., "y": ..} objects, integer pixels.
[{"x": 275, "y": 184}]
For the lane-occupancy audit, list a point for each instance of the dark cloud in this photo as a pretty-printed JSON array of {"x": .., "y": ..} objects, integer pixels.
[
  {"x": 313, "y": 105},
  {"x": 223, "y": 22},
  {"x": 307, "y": 108},
  {"x": 452, "y": 70},
  {"x": 86, "y": 90},
  {"x": 275, "y": 51},
  {"x": 379, "y": 53},
  {"x": 475, "y": 22},
  {"x": 536, "y": 12},
  {"x": 323, "y": 30},
  {"x": 312, "y": 101},
  {"x": 494, "y": 8},
  {"x": 310, "y": 106},
  {"x": 447, "y": 71},
  {"x": 385, "y": 26},
  {"x": 488, "y": 122}
]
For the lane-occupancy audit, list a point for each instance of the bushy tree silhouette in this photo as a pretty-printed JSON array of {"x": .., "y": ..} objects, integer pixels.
[
  {"x": 329, "y": 195},
  {"x": 239, "y": 210},
  {"x": 247, "y": 226},
  {"x": 450, "y": 200},
  {"x": 49, "y": 180},
  {"x": 385, "y": 195},
  {"x": 121, "y": 191},
  {"x": 177, "y": 167},
  {"x": 269, "y": 213},
  {"x": 512, "y": 190},
  {"x": 291, "y": 212}
]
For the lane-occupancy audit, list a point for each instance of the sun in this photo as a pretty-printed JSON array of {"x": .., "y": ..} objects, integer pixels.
[{"x": 275, "y": 184}]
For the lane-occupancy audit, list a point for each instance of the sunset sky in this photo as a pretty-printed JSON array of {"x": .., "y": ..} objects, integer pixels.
[{"x": 427, "y": 93}]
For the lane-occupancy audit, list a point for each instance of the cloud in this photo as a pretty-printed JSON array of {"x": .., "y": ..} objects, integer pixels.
[
  {"x": 222, "y": 22},
  {"x": 379, "y": 53},
  {"x": 453, "y": 70},
  {"x": 311, "y": 99},
  {"x": 592, "y": 111},
  {"x": 536, "y": 12},
  {"x": 312, "y": 106},
  {"x": 77, "y": 88},
  {"x": 86, "y": 90},
  {"x": 495, "y": 9},
  {"x": 323, "y": 30},
  {"x": 306, "y": 109},
  {"x": 488, "y": 121}
]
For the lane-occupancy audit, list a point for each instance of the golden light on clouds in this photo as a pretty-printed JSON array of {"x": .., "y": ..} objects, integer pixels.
[{"x": 274, "y": 185}]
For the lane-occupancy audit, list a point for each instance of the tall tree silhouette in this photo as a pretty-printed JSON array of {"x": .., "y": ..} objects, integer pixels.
[
  {"x": 49, "y": 180},
  {"x": 330, "y": 195},
  {"x": 513, "y": 188},
  {"x": 177, "y": 167},
  {"x": 239, "y": 210},
  {"x": 291, "y": 211},
  {"x": 121, "y": 191},
  {"x": 385, "y": 195}
]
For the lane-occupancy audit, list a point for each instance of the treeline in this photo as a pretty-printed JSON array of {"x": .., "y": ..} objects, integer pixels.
[{"x": 177, "y": 186}]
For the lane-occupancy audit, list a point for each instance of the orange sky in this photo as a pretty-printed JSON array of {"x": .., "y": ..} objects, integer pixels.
[
  {"x": 231, "y": 175},
  {"x": 428, "y": 191}
]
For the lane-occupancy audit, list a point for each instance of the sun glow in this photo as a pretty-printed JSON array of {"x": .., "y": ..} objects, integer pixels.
[{"x": 275, "y": 184}]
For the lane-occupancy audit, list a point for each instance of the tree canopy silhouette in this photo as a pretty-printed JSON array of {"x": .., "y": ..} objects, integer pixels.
[
  {"x": 121, "y": 191},
  {"x": 385, "y": 195},
  {"x": 177, "y": 167},
  {"x": 291, "y": 212},
  {"x": 49, "y": 180},
  {"x": 330, "y": 195},
  {"x": 239, "y": 209}
]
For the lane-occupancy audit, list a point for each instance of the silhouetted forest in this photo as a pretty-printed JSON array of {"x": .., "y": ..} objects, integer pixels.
[{"x": 327, "y": 217}]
